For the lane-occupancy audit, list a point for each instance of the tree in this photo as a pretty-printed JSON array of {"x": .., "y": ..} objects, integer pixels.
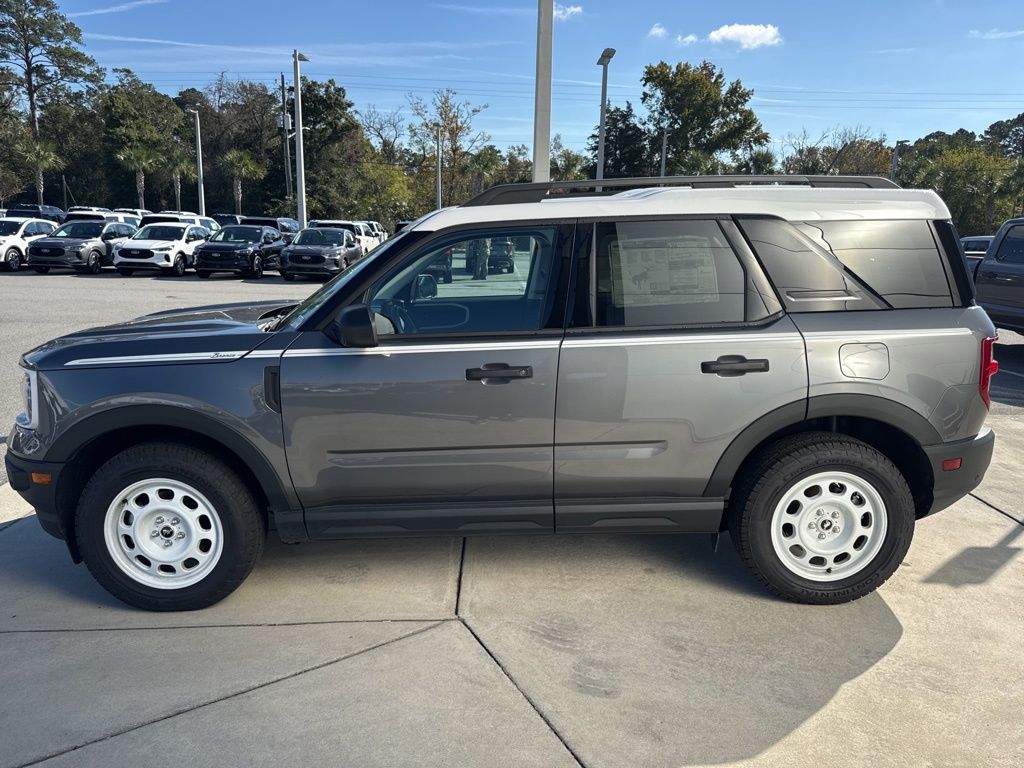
[
  {"x": 385, "y": 130},
  {"x": 240, "y": 165},
  {"x": 140, "y": 159},
  {"x": 627, "y": 145},
  {"x": 1007, "y": 136},
  {"x": 566, "y": 164},
  {"x": 42, "y": 48},
  {"x": 41, "y": 157},
  {"x": 704, "y": 115},
  {"x": 459, "y": 142},
  {"x": 179, "y": 163}
]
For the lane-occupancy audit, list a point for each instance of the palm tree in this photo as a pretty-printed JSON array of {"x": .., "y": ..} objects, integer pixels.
[
  {"x": 239, "y": 164},
  {"x": 41, "y": 157},
  {"x": 180, "y": 164},
  {"x": 142, "y": 160}
]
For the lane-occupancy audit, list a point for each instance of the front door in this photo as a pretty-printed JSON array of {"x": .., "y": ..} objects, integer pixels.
[
  {"x": 447, "y": 425},
  {"x": 1000, "y": 278}
]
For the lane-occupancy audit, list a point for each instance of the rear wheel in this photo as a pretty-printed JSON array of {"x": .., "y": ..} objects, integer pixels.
[
  {"x": 41, "y": 270},
  {"x": 822, "y": 518},
  {"x": 12, "y": 260},
  {"x": 167, "y": 527}
]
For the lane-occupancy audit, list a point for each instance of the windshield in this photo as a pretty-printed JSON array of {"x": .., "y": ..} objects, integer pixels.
[
  {"x": 79, "y": 229},
  {"x": 9, "y": 227},
  {"x": 337, "y": 225},
  {"x": 159, "y": 232},
  {"x": 319, "y": 237},
  {"x": 307, "y": 308},
  {"x": 238, "y": 235}
]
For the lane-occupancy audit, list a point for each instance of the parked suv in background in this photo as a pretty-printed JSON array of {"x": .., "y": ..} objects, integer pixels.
[
  {"x": 319, "y": 252},
  {"x": 84, "y": 245},
  {"x": 241, "y": 249},
  {"x": 975, "y": 249},
  {"x": 48, "y": 212},
  {"x": 168, "y": 248},
  {"x": 364, "y": 237},
  {"x": 288, "y": 228},
  {"x": 798, "y": 360},
  {"x": 15, "y": 236},
  {"x": 1000, "y": 277}
]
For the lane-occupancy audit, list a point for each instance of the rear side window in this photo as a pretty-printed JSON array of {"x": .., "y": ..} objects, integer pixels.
[
  {"x": 666, "y": 273},
  {"x": 1011, "y": 249},
  {"x": 898, "y": 260}
]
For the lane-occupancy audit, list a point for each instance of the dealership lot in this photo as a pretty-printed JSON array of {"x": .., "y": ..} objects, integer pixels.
[{"x": 565, "y": 650}]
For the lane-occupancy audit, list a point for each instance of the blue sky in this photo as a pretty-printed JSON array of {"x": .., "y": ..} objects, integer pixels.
[{"x": 903, "y": 68}]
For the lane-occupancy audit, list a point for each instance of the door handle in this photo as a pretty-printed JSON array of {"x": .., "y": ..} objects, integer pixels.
[
  {"x": 499, "y": 373},
  {"x": 734, "y": 365}
]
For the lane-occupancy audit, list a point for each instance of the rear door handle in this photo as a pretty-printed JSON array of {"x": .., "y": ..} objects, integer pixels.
[
  {"x": 499, "y": 373},
  {"x": 734, "y": 365}
]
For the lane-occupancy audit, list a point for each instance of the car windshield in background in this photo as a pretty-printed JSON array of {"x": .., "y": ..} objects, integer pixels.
[
  {"x": 79, "y": 229},
  {"x": 9, "y": 227},
  {"x": 238, "y": 235},
  {"x": 159, "y": 232},
  {"x": 319, "y": 237}
]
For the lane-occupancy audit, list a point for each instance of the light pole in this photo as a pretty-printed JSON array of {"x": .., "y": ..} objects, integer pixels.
[
  {"x": 300, "y": 167},
  {"x": 199, "y": 164},
  {"x": 896, "y": 158},
  {"x": 542, "y": 94},
  {"x": 285, "y": 127},
  {"x": 602, "y": 62}
]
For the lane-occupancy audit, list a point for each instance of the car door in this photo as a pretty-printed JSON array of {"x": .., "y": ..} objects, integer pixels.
[
  {"x": 446, "y": 425},
  {"x": 273, "y": 244},
  {"x": 675, "y": 345},
  {"x": 1000, "y": 278}
]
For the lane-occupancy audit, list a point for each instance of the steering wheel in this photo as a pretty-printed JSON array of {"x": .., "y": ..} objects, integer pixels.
[{"x": 395, "y": 311}]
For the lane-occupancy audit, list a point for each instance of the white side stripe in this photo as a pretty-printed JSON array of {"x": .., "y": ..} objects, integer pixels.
[
  {"x": 387, "y": 351},
  {"x": 183, "y": 357}
]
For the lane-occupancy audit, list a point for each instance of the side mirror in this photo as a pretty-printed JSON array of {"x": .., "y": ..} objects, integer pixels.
[
  {"x": 425, "y": 287},
  {"x": 354, "y": 327}
]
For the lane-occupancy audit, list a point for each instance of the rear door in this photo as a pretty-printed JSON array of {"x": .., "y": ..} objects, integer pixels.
[
  {"x": 676, "y": 344},
  {"x": 1000, "y": 278}
]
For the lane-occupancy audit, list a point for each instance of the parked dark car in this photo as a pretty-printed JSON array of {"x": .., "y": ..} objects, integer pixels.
[
  {"x": 241, "y": 249},
  {"x": 319, "y": 252},
  {"x": 975, "y": 249},
  {"x": 49, "y": 212},
  {"x": 227, "y": 219},
  {"x": 287, "y": 227},
  {"x": 86, "y": 246},
  {"x": 999, "y": 279},
  {"x": 501, "y": 257}
]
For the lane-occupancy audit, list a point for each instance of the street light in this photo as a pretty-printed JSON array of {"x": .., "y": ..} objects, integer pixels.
[
  {"x": 542, "y": 93},
  {"x": 199, "y": 163},
  {"x": 300, "y": 167},
  {"x": 602, "y": 62}
]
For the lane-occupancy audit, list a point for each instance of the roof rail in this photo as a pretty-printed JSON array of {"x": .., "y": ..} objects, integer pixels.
[{"x": 535, "y": 192}]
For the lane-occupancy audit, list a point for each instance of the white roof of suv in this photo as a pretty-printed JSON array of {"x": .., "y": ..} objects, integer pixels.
[{"x": 791, "y": 202}]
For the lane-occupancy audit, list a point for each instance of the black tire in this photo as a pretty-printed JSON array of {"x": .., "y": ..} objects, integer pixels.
[
  {"x": 203, "y": 274},
  {"x": 178, "y": 268},
  {"x": 287, "y": 276},
  {"x": 243, "y": 527},
  {"x": 776, "y": 470},
  {"x": 255, "y": 271},
  {"x": 12, "y": 260},
  {"x": 93, "y": 263},
  {"x": 41, "y": 270},
  {"x": 126, "y": 272}
]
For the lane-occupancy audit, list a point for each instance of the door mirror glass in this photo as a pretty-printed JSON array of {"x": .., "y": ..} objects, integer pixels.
[
  {"x": 354, "y": 327},
  {"x": 424, "y": 288}
]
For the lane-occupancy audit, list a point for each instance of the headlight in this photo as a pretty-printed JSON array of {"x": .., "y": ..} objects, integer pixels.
[
  {"x": 29, "y": 419},
  {"x": 162, "y": 249}
]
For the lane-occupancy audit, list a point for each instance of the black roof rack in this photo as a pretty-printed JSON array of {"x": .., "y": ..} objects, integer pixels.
[{"x": 535, "y": 192}]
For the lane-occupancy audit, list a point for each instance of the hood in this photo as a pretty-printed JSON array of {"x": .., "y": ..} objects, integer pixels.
[
  {"x": 146, "y": 245},
  {"x": 225, "y": 247},
  {"x": 217, "y": 333},
  {"x": 62, "y": 242},
  {"x": 310, "y": 250}
]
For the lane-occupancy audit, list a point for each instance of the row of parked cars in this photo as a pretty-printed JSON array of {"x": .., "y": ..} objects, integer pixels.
[{"x": 171, "y": 242}]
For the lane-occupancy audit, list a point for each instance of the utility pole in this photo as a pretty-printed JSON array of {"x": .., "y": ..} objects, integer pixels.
[
  {"x": 542, "y": 94},
  {"x": 602, "y": 62},
  {"x": 896, "y": 158},
  {"x": 64, "y": 186},
  {"x": 199, "y": 163},
  {"x": 664, "y": 148},
  {"x": 438, "y": 151},
  {"x": 300, "y": 167},
  {"x": 285, "y": 128}
]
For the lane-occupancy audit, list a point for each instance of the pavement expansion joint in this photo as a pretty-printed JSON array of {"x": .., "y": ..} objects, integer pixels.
[
  {"x": 240, "y": 625},
  {"x": 993, "y": 507},
  {"x": 233, "y": 695},
  {"x": 458, "y": 582}
]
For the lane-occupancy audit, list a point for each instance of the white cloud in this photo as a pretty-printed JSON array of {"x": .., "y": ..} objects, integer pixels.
[
  {"x": 117, "y": 8},
  {"x": 658, "y": 31},
  {"x": 997, "y": 34},
  {"x": 747, "y": 35},
  {"x": 686, "y": 39},
  {"x": 566, "y": 12}
]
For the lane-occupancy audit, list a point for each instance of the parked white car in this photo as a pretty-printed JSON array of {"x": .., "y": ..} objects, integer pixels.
[
  {"x": 15, "y": 235},
  {"x": 166, "y": 247}
]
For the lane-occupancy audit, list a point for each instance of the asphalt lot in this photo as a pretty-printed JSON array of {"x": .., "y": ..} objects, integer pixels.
[{"x": 518, "y": 651}]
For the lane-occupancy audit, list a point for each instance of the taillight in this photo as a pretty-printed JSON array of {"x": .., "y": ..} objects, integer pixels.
[{"x": 989, "y": 367}]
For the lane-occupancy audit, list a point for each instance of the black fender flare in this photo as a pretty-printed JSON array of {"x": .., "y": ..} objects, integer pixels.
[{"x": 880, "y": 409}]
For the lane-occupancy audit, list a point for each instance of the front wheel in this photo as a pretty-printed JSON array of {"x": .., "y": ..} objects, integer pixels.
[
  {"x": 12, "y": 260},
  {"x": 168, "y": 527},
  {"x": 822, "y": 518},
  {"x": 256, "y": 270},
  {"x": 179, "y": 266},
  {"x": 92, "y": 263}
]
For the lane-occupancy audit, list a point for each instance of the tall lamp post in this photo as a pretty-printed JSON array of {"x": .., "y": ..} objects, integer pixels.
[
  {"x": 542, "y": 93},
  {"x": 300, "y": 166},
  {"x": 602, "y": 62},
  {"x": 199, "y": 164}
]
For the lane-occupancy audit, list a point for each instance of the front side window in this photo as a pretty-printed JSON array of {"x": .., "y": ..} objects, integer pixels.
[
  {"x": 481, "y": 282},
  {"x": 666, "y": 273},
  {"x": 1011, "y": 250}
]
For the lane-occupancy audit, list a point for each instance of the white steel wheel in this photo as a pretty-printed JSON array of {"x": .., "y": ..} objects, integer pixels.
[
  {"x": 163, "y": 533},
  {"x": 828, "y": 526}
]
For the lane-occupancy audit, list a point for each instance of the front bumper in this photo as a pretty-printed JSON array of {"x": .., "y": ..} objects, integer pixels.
[
  {"x": 160, "y": 261},
  {"x": 298, "y": 268},
  {"x": 42, "y": 497},
  {"x": 71, "y": 259},
  {"x": 975, "y": 455},
  {"x": 234, "y": 264}
]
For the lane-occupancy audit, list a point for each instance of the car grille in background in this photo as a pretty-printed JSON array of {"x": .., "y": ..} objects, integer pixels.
[
  {"x": 45, "y": 251},
  {"x": 214, "y": 256},
  {"x": 305, "y": 259},
  {"x": 135, "y": 253}
]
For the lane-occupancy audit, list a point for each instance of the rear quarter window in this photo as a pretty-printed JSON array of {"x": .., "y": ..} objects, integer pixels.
[{"x": 898, "y": 260}]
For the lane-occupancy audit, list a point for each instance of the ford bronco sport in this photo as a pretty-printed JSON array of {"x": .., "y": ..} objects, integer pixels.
[{"x": 797, "y": 360}]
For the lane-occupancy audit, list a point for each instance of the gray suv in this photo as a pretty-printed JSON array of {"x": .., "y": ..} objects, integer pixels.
[
  {"x": 797, "y": 360},
  {"x": 84, "y": 245}
]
